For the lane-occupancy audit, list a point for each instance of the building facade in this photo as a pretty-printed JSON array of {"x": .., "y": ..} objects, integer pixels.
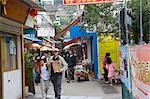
[{"x": 13, "y": 17}]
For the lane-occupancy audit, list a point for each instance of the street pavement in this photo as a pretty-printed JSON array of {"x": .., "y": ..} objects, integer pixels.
[{"x": 82, "y": 90}]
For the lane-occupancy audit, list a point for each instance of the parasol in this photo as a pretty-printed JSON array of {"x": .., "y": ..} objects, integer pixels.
[
  {"x": 33, "y": 45},
  {"x": 45, "y": 48},
  {"x": 73, "y": 44}
]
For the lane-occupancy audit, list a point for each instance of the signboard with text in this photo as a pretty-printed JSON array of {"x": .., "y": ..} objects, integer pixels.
[
  {"x": 124, "y": 68},
  {"x": 76, "y": 2},
  {"x": 140, "y": 66}
]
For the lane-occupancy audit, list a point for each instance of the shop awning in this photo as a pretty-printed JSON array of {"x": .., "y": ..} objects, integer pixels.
[
  {"x": 32, "y": 39},
  {"x": 64, "y": 31},
  {"x": 71, "y": 41}
]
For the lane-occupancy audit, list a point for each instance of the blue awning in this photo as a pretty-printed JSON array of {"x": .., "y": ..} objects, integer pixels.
[
  {"x": 32, "y": 39},
  {"x": 30, "y": 31}
]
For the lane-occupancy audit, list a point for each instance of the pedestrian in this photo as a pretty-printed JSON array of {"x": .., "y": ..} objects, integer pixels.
[
  {"x": 111, "y": 70},
  {"x": 45, "y": 56},
  {"x": 66, "y": 57},
  {"x": 37, "y": 70},
  {"x": 57, "y": 66},
  {"x": 104, "y": 67},
  {"x": 45, "y": 78},
  {"x": 71, "y": 65}
]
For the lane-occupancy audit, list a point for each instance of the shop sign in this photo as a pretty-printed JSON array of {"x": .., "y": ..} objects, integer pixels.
[
  {"x": 30, "y": 22},
  {"x": 140, "y": 66},
  {"x": 16, "y": 10},
  {"x": 45, "y": 32},
  {"x": 124, "y": 68},
  {"x": 76, "y": 2}
]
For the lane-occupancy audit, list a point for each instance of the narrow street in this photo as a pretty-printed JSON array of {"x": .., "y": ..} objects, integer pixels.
[
  {"x": 104, "y": 40},
  {"x": 83, "y": 90}
]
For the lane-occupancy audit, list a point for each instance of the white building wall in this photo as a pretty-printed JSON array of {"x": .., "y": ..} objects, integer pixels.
[
  {"x": 89, "y": 50},
  {"x": 12, "y": 80}
]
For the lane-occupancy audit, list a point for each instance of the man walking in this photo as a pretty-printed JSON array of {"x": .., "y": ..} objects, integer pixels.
[
  {"x": 57, "y": 66},
  {"x": 71, "y": 65}
]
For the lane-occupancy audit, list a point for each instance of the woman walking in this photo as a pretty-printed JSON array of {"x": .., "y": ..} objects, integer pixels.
[
  {"x": 45, "y": 77},
  {"x": 111, "y": 70}
]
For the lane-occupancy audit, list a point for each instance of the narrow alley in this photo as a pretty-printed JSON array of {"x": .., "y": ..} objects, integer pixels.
[{"x": 83, "y": 90}]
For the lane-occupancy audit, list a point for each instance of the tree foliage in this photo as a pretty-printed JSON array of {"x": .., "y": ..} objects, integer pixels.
[
  {"x": 134, "y": 5},
  {"x": 57, "y": 28},
  {"x": 102, "y": 16}
]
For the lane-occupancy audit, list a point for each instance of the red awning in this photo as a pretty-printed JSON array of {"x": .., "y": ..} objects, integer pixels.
[
  {"x": 64, "y": 31},
  {"x": 71, "y": 41}
]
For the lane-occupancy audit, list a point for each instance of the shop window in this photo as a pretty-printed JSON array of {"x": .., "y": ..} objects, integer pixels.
[{"x": 9, "y": 53}]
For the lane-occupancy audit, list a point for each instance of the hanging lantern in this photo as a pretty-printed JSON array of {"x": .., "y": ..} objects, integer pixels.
[
  {"x": 33, "y": 12},
  {"x": 4, "y": 2}
]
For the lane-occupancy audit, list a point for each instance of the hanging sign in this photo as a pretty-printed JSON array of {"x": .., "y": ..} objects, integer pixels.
[{"x": 76, "y": 2}]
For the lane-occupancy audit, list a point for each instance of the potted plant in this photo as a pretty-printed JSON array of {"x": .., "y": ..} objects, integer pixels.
[{"x": 29, "y": 63}]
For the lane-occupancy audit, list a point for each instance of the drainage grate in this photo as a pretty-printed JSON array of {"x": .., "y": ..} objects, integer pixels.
[{"x": 109, "y": 89}]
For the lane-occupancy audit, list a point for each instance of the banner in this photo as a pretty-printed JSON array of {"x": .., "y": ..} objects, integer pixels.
[
  {"x": 140, "y": 66},
  {"x": 76, "y": 2},
  {"x": 124, "y": 68}
]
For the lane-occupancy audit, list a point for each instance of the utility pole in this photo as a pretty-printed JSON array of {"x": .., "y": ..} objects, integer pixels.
[
  {"x": 128, "y": 51},
  {"x": 126, "y": 24},
  {"x": 141, "y": 23}
]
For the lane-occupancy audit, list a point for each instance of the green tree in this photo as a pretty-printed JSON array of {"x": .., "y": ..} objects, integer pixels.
[
  {"x": 57, "y": 28},
  {"x": 102, "y": 16},
  {"x": 134, "y": 5}
]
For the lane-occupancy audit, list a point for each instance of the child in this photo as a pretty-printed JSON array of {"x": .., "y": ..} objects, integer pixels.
[
  {"x": 111, "y": 70},
  {"x": 45, "y": 77}
]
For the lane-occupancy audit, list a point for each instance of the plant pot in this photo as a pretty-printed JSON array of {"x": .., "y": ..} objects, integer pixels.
[{"x": 26, "y": 90}]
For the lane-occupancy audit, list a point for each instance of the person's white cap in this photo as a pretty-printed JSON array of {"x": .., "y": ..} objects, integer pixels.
[{"x": 43, "y": 57}]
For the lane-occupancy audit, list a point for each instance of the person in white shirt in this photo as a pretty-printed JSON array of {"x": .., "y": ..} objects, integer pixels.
[{"x": 45, "y": 78}]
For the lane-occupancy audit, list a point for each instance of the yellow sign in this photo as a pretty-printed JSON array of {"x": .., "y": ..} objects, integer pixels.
[{"x": 108, "y": 44}]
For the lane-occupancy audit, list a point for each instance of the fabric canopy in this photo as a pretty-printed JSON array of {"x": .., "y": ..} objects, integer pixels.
[{"x": 32, "y": 39}]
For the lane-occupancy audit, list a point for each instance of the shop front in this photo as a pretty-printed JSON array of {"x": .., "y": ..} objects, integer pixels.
[
  {"x": 11, "y": 64},
  {"x": 13, "y": 15},
  {"x": 88, "y": 48}
]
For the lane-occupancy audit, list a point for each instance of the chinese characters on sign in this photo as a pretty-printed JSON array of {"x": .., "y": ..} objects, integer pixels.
[
  {"x": 74, "y": 2},
  {"x": 140, "y": 66}
]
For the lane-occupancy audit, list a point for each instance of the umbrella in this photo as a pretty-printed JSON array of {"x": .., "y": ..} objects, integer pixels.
[
  {"x": 33, "y": 45},
  {"x": 73, "y": 44},
  {"x": 45, "y": 48}
]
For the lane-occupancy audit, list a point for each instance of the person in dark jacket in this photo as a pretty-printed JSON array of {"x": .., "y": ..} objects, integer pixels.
[
  {"x": 104, "y": 67},
  {"x": 66, "y": 57},
  {"x": 71, "y": 65}
]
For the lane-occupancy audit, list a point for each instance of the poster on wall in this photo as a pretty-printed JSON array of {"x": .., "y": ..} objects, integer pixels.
[
  {"x": 140, "y": 66},
  {"x": 109, "y": 44},
  {"x": 124, "y": 68}
]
